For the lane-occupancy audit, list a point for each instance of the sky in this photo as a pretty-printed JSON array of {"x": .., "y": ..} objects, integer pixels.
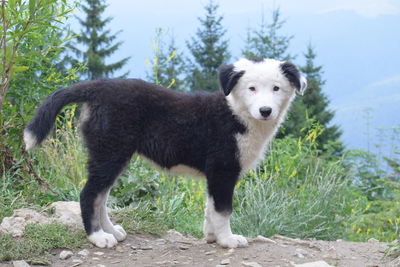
[{"x": 357, "y": 43}]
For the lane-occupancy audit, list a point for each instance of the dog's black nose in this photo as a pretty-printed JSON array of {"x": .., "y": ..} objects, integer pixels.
[{"x": 265, "y": 111}]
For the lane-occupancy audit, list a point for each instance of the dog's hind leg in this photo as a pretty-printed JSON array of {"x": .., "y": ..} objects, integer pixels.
[
  {"x": 116, "y": 230},
  {"x": 208, "y": 227},
  {"x": 103, "y": 170}
]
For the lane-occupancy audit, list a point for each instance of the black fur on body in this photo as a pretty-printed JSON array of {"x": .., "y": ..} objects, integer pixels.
[{"x": 170, "y": 128}]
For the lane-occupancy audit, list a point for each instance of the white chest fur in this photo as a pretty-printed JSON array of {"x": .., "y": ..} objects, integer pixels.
[{"x": 252, "y": 145}]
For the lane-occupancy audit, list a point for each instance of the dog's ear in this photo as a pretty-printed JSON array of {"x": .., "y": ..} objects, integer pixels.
[
  {"x": 295, "y": 78},
  {"x": 228, "y": 78}
]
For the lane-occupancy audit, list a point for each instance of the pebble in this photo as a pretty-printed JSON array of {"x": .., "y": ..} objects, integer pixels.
[
  {"x": 251, "y": 264},
  {"x": 119, "y": 249},
  {"x": 65, "y": 254},
  {"x": 98, "y": 253},
  {"x": 300, "y": 253},
  {"x": 314, "y": 264},
  {"x": 77, "y": 261},
  {"x": 261, "y": 238},
  {"x": 20, "y": 264},
  {"x": 95, "y": 259},
  {"x": 210, "y": 252},
  {"x": 225, "y": 262},
  {"x": 183, "y": 247},
  {"x": 84, "y": 253},
  {"x": 100, "y": 265},
  {"x": 230, "y": 252}
]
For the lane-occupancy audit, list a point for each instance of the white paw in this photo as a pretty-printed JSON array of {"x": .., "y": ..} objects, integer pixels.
[
  {"x": 119, "y": 233},
  {"x": 232, "y": 241},
  {"x": 102, "y": 239},
  {"x": 210, "y": 238}
]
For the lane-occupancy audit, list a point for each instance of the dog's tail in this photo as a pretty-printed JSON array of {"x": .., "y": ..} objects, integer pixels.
[{"x": 40, "y": 126}]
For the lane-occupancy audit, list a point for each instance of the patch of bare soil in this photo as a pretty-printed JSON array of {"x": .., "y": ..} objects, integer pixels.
[{"x": 175, "y": 249}]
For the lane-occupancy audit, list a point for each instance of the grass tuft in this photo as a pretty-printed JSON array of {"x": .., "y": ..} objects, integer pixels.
[{"x": 38, "y": 241}]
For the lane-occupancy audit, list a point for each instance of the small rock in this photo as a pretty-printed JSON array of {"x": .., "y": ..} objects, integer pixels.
[
  {"x": 162, "y": 262},
  {"x": 230, "y": 252},
  {"x": 95, "y": 259},
  {"x": 146, "y": 248},
  {"x": 302, "y": 251},
  {"x": 77, "y": 261},
  {"x": 220, "y": 265},
  {"x": 161, "y": 241},
  {"x": 134, "y": 248},
  {"x": 339, "y": 240},
  {"x": 299, "y": 255},
  {"x": 100, "y": 265},
  {"x": 119, "y": 249},
  {"x": 183, "y": 247},
  {"x": 98, "y": 253},
  {"x": 65, "y": 254},
  {"x": 264, "y": 239},
  {"x": 84, "y": 253},
  {"x": 225, "y": 262},
  {"x": 20, "y": 264},
  {"x": 251, "y": 264},
  {"x": 373, "y": 240},
  {"x": 314, "y": 264},
  {"x": 210, "y": 252}
]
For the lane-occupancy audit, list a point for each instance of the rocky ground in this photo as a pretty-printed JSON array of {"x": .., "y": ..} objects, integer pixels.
[{"x": 175, "y": 249}]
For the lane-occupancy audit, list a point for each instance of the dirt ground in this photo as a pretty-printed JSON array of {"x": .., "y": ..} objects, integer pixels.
[{"x": 174, "y": 249}]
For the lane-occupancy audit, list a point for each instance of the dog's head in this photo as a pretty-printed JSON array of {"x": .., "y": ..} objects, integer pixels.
[{"x": 261, "y": 88}]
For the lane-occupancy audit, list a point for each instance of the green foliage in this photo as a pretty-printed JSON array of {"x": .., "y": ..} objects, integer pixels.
[
  {"x": 380, "y": 220},
  {"x": 38, "y": 241},
  {"x": 295, "y": 193},
  {"x": 167, "y": 65},
  {"x": 209, "y": 51},
  {"x": 379, "y": 184},
  {"x": 265, "y": 42},
  {"x": 313, "y": 106},
  {"x": 27, "y": 38},
  {"x": 99, "y": 43}
]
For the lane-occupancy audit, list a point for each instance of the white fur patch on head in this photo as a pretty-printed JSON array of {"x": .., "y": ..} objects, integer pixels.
[
  {"x": 262, "y": 87},
  {"x": 29, "y": 139}
]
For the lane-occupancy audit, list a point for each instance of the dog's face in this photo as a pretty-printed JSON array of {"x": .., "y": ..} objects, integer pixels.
[{"x": 262, "y": 88}]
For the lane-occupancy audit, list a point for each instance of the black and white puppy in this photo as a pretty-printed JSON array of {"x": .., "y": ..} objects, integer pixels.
[{"x": 218, "y": 135}]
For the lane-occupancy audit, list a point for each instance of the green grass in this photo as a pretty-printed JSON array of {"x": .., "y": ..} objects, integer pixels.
[
  {"x": 314, "y": 207},
  {"x": 38, "y": 241}
]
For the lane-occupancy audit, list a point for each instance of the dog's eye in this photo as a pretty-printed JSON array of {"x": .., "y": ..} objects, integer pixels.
[
  {"x": 276, "y": 88},
  {"x": 252, "y": 88}
]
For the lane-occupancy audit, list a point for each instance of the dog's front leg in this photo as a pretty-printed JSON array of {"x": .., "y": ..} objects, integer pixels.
[{"x": 218, "y": 211}]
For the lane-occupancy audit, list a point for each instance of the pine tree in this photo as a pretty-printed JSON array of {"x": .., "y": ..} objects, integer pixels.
[
  {"x": 209, "y": 50},
  {"x": 98, "y": 43},
  {"x": 266, "y": 42},
  {"x": 313, "y": 106},
  {"x": 167, "y": 65}
]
